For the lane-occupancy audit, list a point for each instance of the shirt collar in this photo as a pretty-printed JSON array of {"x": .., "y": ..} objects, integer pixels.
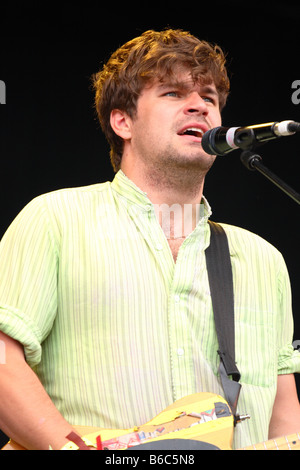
[{"x": 128, "y": 189}]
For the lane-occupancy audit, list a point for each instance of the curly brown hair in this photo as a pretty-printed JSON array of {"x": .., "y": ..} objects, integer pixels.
[{"x": 153, "y": 55}]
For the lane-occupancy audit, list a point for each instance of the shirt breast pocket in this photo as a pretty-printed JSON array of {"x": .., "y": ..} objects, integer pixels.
[{"x": 256, "y": 354}]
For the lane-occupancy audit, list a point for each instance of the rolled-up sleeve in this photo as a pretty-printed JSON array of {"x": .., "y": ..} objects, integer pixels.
[
  {"x": 28, "y": 279},
  {"x": 288, "y": 357},
  {"x": 288, "y": 360}
]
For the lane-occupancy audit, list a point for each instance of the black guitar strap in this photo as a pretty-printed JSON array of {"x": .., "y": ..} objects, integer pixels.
[{"x": 221, "y": 287}]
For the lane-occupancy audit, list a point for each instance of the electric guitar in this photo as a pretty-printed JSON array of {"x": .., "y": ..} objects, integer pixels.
[{"x": 202, "y": 417}]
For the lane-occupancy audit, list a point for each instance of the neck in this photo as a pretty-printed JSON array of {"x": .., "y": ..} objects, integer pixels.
[{"x": 176, "y": 196}]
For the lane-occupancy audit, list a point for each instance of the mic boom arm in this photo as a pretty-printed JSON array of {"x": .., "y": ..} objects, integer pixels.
[
  {"x": 252, "y": 161},
  {"x": 249, "y": 136}
]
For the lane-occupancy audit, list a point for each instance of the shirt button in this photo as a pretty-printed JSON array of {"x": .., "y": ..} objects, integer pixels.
[
  {"x": 180, "y": 351},
  {"x": 159, "y": 247},
  {"x": 148, "y": 208},
  {"x": 177, "y": 298}
]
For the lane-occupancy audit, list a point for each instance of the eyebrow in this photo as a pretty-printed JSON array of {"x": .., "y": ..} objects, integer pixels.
[
  {"x": 186, "y": 85},
  {"x": 210, "y": 90},
  {"x": 174, "y": 83}
]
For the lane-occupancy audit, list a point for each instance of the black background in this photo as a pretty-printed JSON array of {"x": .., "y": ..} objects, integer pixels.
[{"x": 50, "y": 137}]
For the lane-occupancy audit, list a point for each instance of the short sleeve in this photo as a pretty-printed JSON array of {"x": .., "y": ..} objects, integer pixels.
[{"x": 28, "y": 279}]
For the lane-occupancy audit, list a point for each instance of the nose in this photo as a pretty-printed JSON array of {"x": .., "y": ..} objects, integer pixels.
[{"x": 195, "y": 105}]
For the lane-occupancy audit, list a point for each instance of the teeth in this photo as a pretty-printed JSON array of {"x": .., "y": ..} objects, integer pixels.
[{"x": 194, "y": 131}]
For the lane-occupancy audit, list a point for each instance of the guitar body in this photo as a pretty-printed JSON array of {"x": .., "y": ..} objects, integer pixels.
[{"x": 201, "y": 417}]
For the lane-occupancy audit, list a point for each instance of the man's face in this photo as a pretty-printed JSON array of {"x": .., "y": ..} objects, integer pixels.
[{"x": 170, "y": 121}]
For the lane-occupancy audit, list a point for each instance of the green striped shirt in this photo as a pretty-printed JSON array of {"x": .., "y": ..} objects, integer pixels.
[{"x": 116, "y": 330}]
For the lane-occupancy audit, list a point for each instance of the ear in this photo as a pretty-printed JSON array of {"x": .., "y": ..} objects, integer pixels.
[{"x": 121, "y": 123}]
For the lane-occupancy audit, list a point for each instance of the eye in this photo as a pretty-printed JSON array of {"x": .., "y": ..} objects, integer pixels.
[
  {"x": 172, "y": 93},
  {"x": 208, "y": 99},
  {"x": 211, "y": 99}
]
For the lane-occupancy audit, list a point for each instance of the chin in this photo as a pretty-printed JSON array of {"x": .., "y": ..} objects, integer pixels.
[{"x": 201, "y": 162}]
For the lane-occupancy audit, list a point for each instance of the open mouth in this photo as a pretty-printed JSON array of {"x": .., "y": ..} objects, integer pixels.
[{"x": 194, "y": 131}]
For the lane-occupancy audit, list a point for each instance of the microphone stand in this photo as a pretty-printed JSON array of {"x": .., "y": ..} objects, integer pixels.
[{"x": 252, "y": 162}]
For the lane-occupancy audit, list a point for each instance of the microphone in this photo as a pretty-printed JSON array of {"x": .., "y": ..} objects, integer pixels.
[{"x": 222, "y": 140}]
